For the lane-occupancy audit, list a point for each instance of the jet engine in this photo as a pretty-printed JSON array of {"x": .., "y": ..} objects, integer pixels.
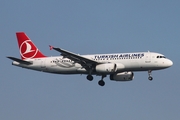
[
  {"x": 124, "y": 76},
  {"x": 106, "y": 68}
]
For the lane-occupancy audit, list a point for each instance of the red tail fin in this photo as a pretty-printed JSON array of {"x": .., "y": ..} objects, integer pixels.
[{"x": 27, "y": 47}]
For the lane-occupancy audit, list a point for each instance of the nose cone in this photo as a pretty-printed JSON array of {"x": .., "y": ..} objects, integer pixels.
[{"x": 169, "y": 63}]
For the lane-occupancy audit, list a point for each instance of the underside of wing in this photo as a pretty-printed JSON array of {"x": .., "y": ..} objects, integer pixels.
[{"x": 85, "y": 62}]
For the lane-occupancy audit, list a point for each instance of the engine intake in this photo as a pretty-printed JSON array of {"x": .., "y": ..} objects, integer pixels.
[{"x": 124, "y": 76}]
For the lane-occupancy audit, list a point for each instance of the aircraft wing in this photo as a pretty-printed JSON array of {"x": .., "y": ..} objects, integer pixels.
[{"x": 85, "y": 62}]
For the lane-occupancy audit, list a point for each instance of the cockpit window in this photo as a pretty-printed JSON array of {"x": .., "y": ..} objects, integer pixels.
[{"x": 161, "y": 57}]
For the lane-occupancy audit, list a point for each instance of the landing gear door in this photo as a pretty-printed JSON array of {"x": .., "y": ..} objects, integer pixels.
[{"x": 148, "y": 57}]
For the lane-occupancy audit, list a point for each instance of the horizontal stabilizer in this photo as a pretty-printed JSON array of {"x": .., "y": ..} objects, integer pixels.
[{"x": 20, "y": 61}]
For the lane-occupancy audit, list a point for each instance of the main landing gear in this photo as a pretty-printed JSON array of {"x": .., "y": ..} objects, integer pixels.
[
  {"x": 89, "y": 77},
  {"x": 150, "y": 77},
  {"x": 101, "y": 82}
]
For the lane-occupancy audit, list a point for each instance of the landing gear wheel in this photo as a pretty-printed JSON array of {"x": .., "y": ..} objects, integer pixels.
[
  {"x": 101, "y": 83},
  {"x": 150, "y": 73},
  {"x": 89, "y": 77},
  {"x": 150, "y": 78}
]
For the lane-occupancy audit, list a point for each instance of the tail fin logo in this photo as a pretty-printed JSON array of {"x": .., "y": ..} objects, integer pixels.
[{"x": 28, "y": 49}]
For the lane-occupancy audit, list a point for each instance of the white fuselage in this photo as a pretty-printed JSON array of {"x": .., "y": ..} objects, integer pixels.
[{"x": 139, "y": 61}]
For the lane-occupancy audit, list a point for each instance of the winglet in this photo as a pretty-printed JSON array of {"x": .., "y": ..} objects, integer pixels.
[{"x": 51, "y": 47}]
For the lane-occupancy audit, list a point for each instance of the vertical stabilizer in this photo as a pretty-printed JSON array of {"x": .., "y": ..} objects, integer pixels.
[{"x": 27, "y": 48}]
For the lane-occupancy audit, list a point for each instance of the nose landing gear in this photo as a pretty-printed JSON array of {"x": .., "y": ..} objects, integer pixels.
[{"x": 150, "y": 77}]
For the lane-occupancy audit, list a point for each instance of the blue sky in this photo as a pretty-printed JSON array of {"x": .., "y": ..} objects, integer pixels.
[{"x": 88, "y": 27}]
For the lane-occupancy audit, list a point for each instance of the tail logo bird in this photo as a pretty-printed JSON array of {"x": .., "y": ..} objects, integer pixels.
[{"x": 27, "y": 49}]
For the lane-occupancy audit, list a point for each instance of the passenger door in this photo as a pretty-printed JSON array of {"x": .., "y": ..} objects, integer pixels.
[{"x": 148, "y": 57}]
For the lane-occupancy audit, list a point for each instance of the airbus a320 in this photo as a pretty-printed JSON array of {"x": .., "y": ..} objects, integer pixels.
[{"x": 118, "y": 66}]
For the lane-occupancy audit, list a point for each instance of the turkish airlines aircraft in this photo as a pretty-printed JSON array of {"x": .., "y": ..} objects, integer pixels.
[{"x": 119, "y": 66}]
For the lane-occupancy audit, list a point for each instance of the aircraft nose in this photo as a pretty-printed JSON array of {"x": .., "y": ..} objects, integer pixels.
[{"x": 169, "y": 63}]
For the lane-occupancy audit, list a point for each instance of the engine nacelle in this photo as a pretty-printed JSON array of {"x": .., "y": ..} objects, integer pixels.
[
  {"x": 124, "y": 76},
  {"x": 106, "y": 68}
]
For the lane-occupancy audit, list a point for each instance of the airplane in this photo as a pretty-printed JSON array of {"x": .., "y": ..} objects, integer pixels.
[{"x": 119, "y": 66}]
